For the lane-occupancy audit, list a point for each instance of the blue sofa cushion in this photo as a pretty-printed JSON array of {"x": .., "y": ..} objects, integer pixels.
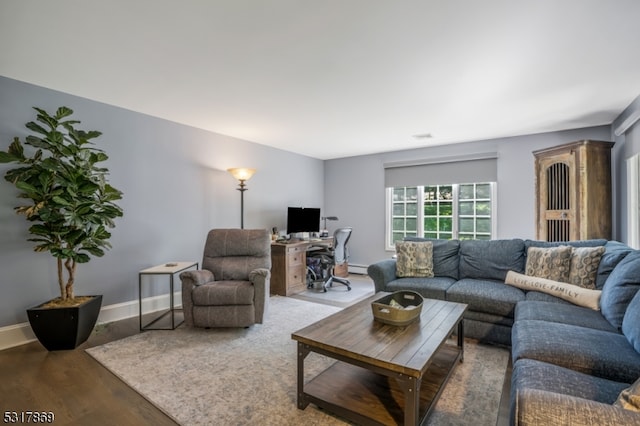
[
  {"x": 620, "y": 287},
  {"x": 562, "y": 313},
  {"x": 491, "y": 259},
  {"x": 432, "y": 288},
  {"x": 445, "y": 256},
  {"x": 534, "y": 374},
  {"x": 614, "y": 252},
  {"x": 544, "y": 297},
  {"x": 631, "y": 322},
  {"x": 595, "y": 352},
  {"x": 582, "y": 243},
  {"x": 486, "y": 296}
]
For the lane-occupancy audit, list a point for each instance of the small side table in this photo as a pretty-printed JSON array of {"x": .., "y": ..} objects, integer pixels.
[{"x": 169, "y": 269}]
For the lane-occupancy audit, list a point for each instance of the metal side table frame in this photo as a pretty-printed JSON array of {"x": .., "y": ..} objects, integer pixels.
[{"x": 169, "y": 269}]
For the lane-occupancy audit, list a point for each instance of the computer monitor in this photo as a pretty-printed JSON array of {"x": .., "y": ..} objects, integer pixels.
[{"x": 303, "y": 219}]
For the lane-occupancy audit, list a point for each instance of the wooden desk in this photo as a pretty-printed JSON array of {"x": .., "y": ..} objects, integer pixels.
[{"x": 289, "y": 266}]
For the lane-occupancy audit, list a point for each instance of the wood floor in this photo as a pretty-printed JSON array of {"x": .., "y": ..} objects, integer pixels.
[
  {"x": 79, "y": 391},
  {"x": 72, "y": 385}
]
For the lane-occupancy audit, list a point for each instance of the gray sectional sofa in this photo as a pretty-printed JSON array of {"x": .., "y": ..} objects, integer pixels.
[{"x": 570, "y": 363}]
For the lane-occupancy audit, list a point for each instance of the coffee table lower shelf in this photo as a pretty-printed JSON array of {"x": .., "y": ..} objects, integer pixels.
[{"x": 370, "y": 398}]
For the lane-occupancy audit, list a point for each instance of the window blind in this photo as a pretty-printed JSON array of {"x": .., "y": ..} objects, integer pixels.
[{"x": 442, "y": 171}]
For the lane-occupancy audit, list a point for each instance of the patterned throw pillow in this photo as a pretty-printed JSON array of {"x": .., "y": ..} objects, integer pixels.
[
  {"x": 414, "y": 259},
  {"x": 552, "y": 263},
  {"x": 629, "y": 399},
  {"x": 584, "y": 266}
]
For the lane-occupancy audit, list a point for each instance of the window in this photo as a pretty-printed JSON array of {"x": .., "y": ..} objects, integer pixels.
[{"x": 455, "y": 211}]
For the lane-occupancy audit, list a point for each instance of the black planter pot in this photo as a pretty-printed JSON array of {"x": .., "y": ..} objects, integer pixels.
[{"x": 65, "y": 328}]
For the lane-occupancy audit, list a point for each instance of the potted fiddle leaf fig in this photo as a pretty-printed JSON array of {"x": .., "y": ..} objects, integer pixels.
[{"x": 70, "y": 205}]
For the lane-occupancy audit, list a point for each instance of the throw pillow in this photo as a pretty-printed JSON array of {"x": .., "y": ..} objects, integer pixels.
[
  {"x": 629, "y": 399},
  {"x": 569, "y": 292},
  {"x": 414, "y": 259},
  {"x": 620, "y": 287},
  {"x": 584, "y": 266},
  {"x": 552, "y": 263}
]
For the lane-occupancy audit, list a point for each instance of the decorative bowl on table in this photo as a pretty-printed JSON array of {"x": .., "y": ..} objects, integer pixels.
[{"x": 398, "y": 308}]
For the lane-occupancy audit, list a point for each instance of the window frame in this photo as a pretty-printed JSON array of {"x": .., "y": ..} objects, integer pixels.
[{"x": 390, "y": 245}]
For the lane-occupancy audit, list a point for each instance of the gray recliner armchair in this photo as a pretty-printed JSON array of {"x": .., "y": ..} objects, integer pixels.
[{"x": 232, "y": 288}]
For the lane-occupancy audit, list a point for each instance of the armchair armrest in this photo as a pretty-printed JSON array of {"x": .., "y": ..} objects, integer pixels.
[
  {"x": 261, "y": 279},
  {"x": 537, "y": 407},
  {"x": 190, "y": 280},
  {"x": 199, "y": 277},
  {"x": 382, "y": 273}
]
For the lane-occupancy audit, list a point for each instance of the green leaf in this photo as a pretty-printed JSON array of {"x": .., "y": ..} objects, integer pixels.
[
  {"x": 24, "y": 186},
  {"x": 63, "y": 112},
  {"x": 33, "y": 126}
]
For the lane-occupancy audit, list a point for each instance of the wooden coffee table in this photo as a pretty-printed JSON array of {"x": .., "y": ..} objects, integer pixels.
[{"x": 384, "y": 374}]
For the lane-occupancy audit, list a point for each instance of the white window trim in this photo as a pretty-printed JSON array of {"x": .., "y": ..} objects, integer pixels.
[{"x": 389, "y": 245}]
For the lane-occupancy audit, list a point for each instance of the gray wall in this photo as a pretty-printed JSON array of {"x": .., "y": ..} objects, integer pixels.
[
  {"x": 627, "y": 145},
  {"x": 354, "y": 187},
  {"x": 175, "y": 188}
]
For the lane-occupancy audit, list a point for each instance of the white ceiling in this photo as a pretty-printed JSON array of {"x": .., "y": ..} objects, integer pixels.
[{"x": 336, "y": 78}]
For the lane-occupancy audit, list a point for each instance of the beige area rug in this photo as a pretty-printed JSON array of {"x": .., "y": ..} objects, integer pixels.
[
  {"x": 338, "y": 294},
  {"x": 248, "y": 376}
]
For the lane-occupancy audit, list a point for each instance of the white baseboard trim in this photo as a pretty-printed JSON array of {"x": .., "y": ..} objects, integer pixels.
[
  {"x": 20, "y": 334},
  {"x": 358, "y": 269}
]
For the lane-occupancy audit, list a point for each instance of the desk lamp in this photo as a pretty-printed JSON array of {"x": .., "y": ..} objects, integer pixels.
[
  {"x": 324, "y": 232},
  {"x": 243, "y": 175}
]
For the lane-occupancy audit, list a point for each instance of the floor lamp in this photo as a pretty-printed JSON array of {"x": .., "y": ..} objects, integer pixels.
[{"x": 242, "y": 175}]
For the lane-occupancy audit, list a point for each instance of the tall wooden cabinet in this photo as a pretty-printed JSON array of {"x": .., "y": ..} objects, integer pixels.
[{"x": 573, "y": 191}]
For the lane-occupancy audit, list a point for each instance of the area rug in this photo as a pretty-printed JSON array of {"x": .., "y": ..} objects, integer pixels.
[
  {"x": 338, "y": 294},
  {"x": 248, "y": 376}
]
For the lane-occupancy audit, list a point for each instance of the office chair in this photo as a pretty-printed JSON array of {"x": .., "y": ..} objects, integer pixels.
[{"x": 336, "y": 255}]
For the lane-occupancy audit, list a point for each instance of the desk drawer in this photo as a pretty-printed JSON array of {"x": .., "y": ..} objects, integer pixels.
[
  {"x": 295, "y": 256},
  {"x": 296, "y": 274}
]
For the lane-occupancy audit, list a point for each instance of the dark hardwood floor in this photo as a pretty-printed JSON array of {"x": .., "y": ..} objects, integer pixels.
[
  {"x": 72, "y": 385},
  {"x": 80, "y": 391}
]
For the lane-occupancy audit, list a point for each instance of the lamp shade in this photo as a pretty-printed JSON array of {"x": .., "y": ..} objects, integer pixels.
[{"x": 241, "y": 173}]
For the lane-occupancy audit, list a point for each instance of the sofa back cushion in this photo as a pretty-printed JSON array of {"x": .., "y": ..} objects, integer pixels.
[
  {"x": 491, "y": 259},
  {"x": 445, "y": 256},
  {"x": 621, "y": 286},
  {"x": 614, "y": 252},
  {"x": 631, "y": 322}
]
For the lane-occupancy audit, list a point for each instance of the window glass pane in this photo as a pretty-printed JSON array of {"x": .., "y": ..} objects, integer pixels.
[
  {"x": 430, "y": 235},
  {"x": 398, "y": 194},
  {"x": 483, "y": 237},
  {"x": 446, "y": 209},
  {"x": 397, "y": 237},
  {"x": 483, "y": 225},
  {"x": 483, "y": 208},
  {"x": 412, "y": 224},
  {"x": 465, "y": 208},
  {"x": 412, "y": 209},
  {"x": 398, "y": 224},
  {"x": 445, "y": 236},
  {"x": 412, "y": 193},
  {"x": 445, "y": 224},
  {"x": 398, "y": 209},
  {"x": 430, "y": 208},
  {"x": 430, "y": 192},
  {"x": 466, "y": 225},
  {"x": 430, "y": 224},
  {"x": 466, "y": 192},
  {"x": 446, "y": 193},
  {"x": 483, "y": 190}
]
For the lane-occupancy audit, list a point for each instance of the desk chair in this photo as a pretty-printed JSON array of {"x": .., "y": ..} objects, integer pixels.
[{"x": 330, "y": 257}]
